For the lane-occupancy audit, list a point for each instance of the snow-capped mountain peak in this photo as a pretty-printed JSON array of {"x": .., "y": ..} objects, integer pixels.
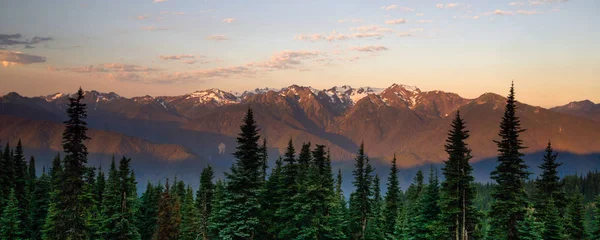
[{"x": 212, "y": 95}]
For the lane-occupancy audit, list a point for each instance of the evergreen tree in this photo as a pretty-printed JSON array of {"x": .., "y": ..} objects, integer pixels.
[
  {"x": 168, "y": 221},
  {"x": 411, "y": 208},
  {"x": 99, "y": 187},
  {"x": 374, "y": 228},
  {"x": 71, "y": 211},
  {"x": 10, "y": 221},
  {"x": 458, "y": 192},
  {"x": 204, "y": 199},
  {"x": 392, "y": 202},
  {"x": 360, "y": 199},
  {"x": 148, "y": 211},
  {"x": 287, "y": 226},
  {"x": 510, "y": 202},
  {"x": 54, "y": 224},
  {"x": 548, "y": 185},
  {"x": 264, "y": 154},
  {"x": 271, "y": 200},
  {"x": 216, "y": 221},
  {"x": 190, "y": 218},
  {"x": 8, "y": 175},
  {"x": 553, "y": 225},
  {"x": 338, "y": 219},
  {"x": 20, "y": 180},
  {"x": 575, "y": 226},
  {"x": 529, "y": 228},
  {"x": 425, "y": 224},
  {"x": 241, "y": 206},
  {"x": 31, "y": 181},
  {"x": 118, "y": 204},
  {"x": 596, "y": 222},
  {"x": 39, "y": 201}
]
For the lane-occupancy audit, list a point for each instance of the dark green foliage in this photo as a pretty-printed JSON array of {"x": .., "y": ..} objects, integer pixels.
[
  {"x": 98, "y": 189},
  {"x": 204, "y": 199},
  {"x": 510, "y": 175},
  {"x": 530, "y": 228},
  {"x": 426, "y": 218},
  {"x": 459, "y": 215},
  {"x": 271, "y": 200},
  {"x": 360, "y": 199},
  {"x": 339, "y": 213},
  {"x": 147, "y": 214},
  {"x": 241, "y": 206},
  {"x": 374, "y": 227},
  {"x": 216, "y": 219},
  {"x": 574, "y": 224},
  {"x": 69, "y": 217},
  {"x": 190, "y": 218},
  {"x": 118, "y": 204},
  {"x": 38, "y": 207},
  {"x": 596, "y": 222},
  {"x": 287, "y": 226},
  {"x": 553, "y": 223},
  {"x": 393, "y": 202},
  {"x": 168, "y": 217},
  {"x": 548, "y": 186},
  {"x": 7, "y": 177},
  {"x": 10, "y": 221}
]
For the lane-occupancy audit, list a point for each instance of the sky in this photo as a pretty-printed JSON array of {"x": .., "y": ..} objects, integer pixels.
[{"x": 549, "y": 48}]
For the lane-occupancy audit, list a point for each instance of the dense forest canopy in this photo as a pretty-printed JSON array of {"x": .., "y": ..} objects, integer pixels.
[{"x": 300, "y": 197}]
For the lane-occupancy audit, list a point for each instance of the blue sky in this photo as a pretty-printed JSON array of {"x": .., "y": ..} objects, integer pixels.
[{"x": 169, "y": 47}]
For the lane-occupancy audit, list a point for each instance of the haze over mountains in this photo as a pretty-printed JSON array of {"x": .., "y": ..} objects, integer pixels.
[{"x": 201, "y": 126}]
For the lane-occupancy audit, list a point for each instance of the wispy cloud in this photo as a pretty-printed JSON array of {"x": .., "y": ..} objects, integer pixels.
[
  {"x": 370, "y": 28},
  {"x": 499, "y": 12},
  {"x": 524, "y": 12},
  {"x": 172, "y": 13},
  {"x": 12, "y": 58},
  {"x": 207, "y": 11},
  {"x": 448, "y": 5},
  {"x": 394, "y": 7},
  {"x": 218, "y": 38},
  {"x": 516, "y": 3},
  {"x": 155, "y": 29},
  {"x": 409, "y": 33},
  {"x": 350, "y": 20},
  {"x": 396, "y": 21},
  {"x": 420, "y": 14},
  {"x": 159, "y": 1},
  {"x": 176, "y": 57},
  {"x": 369, "y": 48},
  {"x": 367, "y": 35},
  {"x": 142, "y": 17},
  {"x": 423, "y": 21},
  {"x": 228, "y": 20}
]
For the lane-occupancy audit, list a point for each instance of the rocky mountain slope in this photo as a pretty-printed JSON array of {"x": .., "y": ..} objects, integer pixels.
[{"x": 399, "y": 119}]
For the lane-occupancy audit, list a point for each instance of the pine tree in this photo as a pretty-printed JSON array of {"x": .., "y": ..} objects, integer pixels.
[
  {"x": 360, "y": 199},
  {"x": 190, "y": 218},
  {"x": 338, "y": 219},
  {"x": 264, "y": 154},
  {"x": 425, "y": 224},
  {"x": 596, "y": 222},
  {"x": 458, "y": 192},
  {"x": 575, "y": 226},
  {"x": 20, "y": 180},
  {"x": 39, "y": 201},
  {"x": 411, "y": 208},
  {"x": 548, "y": 185},
  {"x": 10, "y": 221},
  {"x": 168, "y": 222},
  {"x": 148, "y": 211},
  {"x": 287, "y": 226},
  {"x": 119, "y": 221},
  {"x": 374, "y": 228},
  {"x": 241, "y": 206},
  {"x": 54, "y": 224},
  {"x": 553, "y": 225},
  {"x": 216, "y": 221},
  {"x": 510, "y": 202},
  {"x": 72, "y": 212},
  {"x": 392, "y": 202},
  {"x": 7, "y": 176},
  {"x": 204, "y": 199},
  {"x": 31, "y": 181},
  {"x": 271, "y": 200},
  {"x": 529, "y": 228},
  {"x": 99, "y": 187}
]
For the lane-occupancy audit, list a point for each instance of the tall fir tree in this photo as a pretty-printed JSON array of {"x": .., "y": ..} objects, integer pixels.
[
  {"x": 425, "y": 223},
  {"x": 241, "y": 205},
  {"x": 20, "y": 180},
  {"x": 10, "y": 221},
  {"x": 53, "y": 225},
  {"x": 72, "y": 212},
  {"x": 99, "y": 187},
  {"x": 392, "y": 202},
  {"x": 204, "y": 199},
  {"x": 510, "y": 175},
  {"x": 575, "y": 218},
  {"x": 548, "y": 185},
  {"x": 374, "y": 228},
  {"x": 596, "y": 222},
  {"x": 459, "y": 214},
  {"x": 168, "y": 219},
  {"x": 271, "y": 200},
  {"x": 190, "y": 217},
  {"x": 216, "y": 221},
  {"x": 31, "y": 182},
  {"x": 360, "y": 199},
  {"x": 339, "y": 213},
  {"x": 8, "y": 175},
  {"x": 287, "y": 226},
  {"x": 119, "y": 217},
  {"x": 148, "y": 211},
  {"x": 39, "y": 202},
  {"x": 529, "y": 228},
  {"x": 553, "y": 223}
]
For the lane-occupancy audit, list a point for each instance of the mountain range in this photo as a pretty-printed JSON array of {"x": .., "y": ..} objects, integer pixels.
[{"x": 201, "y": 126}]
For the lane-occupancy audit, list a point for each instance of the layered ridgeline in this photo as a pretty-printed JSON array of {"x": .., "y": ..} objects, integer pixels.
[{"x": 202, "y": 125}]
